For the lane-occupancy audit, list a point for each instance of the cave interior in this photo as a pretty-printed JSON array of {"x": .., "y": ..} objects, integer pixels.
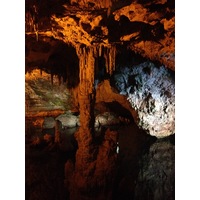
[{"x": 100, "y": 99}]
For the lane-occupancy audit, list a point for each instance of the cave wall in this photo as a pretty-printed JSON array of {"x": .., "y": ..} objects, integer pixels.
[
  {"x": 95, "y": 30},
  {"x": 150, "y": 89}
]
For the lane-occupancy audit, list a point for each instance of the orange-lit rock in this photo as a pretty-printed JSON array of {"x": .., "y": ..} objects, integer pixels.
[
  {"x": 94, "y": 30},
  {"x": 87, "y": 22},
  {"x": 95, "y": 169},
  {"x": 105, "y": 93}
]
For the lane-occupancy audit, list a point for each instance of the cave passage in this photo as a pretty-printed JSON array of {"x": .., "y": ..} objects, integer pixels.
[{"x": 100, "y": 99}]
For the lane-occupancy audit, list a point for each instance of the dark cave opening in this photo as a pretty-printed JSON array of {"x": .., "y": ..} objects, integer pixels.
[
  {"x": 100, "y": 70},
  {"x": 126, "y": 57},
  {"x": 64, "y": 63},
  {"x": 61, "y": 61}
]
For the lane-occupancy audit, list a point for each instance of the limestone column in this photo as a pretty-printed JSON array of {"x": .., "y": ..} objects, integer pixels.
[
  {"x": 85, "y": 155},
  {"x": 94, "y": 164}
]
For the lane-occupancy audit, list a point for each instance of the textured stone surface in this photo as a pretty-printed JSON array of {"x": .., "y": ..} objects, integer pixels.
[
  {"x": 68, "y": 120},
  {"x": 146, "y": 27},
  {"x": 95, "y": 29},
  {"x": 151, "y": 91},
  {"x": 106, "y": 93},
  {"x": 107, "y": 119},
  {"x": 49, "y": 122}
]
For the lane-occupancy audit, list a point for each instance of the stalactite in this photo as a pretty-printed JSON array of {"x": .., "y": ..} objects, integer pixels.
[
  {"x": 86, "y": 86},
  {"x": 100, "y": 50},
  {"x": 112, "y": 55},
  {"x": 109, "y": 55},
  {"x": 96, "y": 51}
]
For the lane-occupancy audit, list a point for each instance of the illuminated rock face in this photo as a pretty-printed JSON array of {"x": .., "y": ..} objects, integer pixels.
[
  {"x": 95, "y": 29},
  {"x": 92, "y": 3},
  {"x": 68, "y": 120},
  {"x": 151, "y": 92},
  {"x": 146, "y": 27}
]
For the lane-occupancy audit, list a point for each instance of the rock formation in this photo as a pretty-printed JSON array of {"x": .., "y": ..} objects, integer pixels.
[
  {"x": 79, "y": 42},
  {"x": 151, "y": 92},
  {"x": 95, "y": 168}
]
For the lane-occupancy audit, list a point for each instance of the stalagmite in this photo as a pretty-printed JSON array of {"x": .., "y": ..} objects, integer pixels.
[{"x": 100, "y": 50}]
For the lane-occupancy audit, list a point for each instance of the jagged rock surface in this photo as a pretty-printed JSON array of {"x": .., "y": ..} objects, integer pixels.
[
  {"x": 94, "y": 29},
  {"x": 151, "y": 91},
  {"x": 105, "y": 93},
  {"x": 146, "y": 27}
]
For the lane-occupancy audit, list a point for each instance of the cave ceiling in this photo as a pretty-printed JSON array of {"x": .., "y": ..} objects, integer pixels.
[{"x": 145, "y": 27}]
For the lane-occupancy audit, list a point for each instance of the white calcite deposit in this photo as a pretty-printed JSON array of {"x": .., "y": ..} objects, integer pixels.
[{"x": 151, "y": 92}]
